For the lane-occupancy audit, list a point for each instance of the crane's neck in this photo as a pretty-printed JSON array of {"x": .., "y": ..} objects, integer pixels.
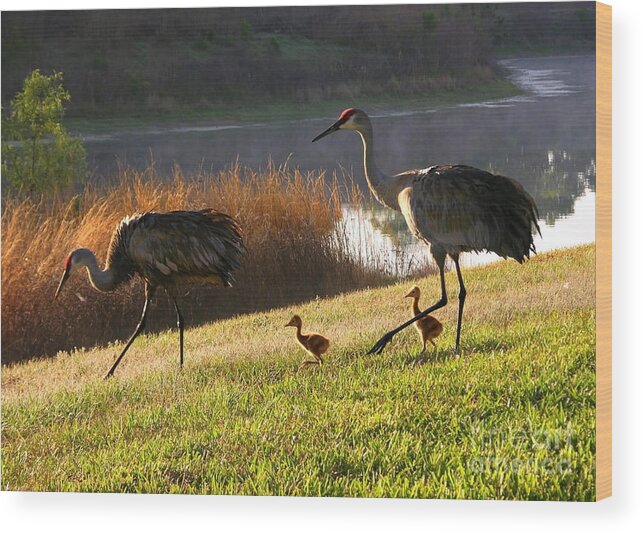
[
  {"x": 102, "y": 280},
  {"x": 416, "y": 305},
  {"x": 384, "y": 188},
  {"x": 301, "y": 338}
]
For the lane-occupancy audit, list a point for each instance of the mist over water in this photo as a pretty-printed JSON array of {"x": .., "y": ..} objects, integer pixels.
[{"x": 544, "y": 138}]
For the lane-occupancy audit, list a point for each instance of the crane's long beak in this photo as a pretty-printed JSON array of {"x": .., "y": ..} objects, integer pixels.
[
  {"x": 330, "y": 130},
  {"x": 62, "y": 282}
]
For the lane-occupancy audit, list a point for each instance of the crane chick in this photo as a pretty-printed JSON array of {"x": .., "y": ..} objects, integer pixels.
[
  {"x": 314, "y": 343},
  {"x": 428, "y": 327}
]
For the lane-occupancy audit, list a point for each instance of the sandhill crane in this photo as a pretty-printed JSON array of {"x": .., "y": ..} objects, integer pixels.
[
  {"x": 164, "y": 249},
  {"x": 314, "y": 343},
  {"x": 428, "y": 327},
  {"x": 452, "y": 208}
]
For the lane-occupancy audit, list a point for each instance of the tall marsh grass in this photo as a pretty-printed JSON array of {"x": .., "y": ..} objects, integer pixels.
[{"x": 289, "y": 220}]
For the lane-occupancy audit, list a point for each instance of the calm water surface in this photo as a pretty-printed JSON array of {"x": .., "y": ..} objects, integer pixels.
[{"x": 544, "y": 138}]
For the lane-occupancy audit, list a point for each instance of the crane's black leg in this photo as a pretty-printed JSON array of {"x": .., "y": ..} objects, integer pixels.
[
  {"x": 439, "y": 255},
  {"x": 179, "y": 324},
  {"x": 149, "y": 292},
  {"x": 461, "y": 297}
]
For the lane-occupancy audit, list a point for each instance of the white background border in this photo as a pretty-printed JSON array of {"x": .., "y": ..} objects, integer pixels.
[{"x": 27, "y": 512}]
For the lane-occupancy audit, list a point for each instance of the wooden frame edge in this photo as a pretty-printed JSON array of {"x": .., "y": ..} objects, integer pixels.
[{"x": 603, "y": 251}]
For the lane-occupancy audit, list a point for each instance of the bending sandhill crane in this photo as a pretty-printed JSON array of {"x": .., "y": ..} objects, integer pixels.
[
  {"x": 428, "y": 327},
  {"x": 452, "y": 208},
  {"x": 164, "y": 249},
  {"x": 314, "y": 343}
]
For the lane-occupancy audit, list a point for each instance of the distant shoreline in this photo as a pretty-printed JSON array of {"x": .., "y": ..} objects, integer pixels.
[{"x": 240, "y": 115}]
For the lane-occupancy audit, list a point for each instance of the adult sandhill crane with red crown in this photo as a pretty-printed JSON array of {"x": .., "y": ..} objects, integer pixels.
[
  {"x": 164, "y": 249},
  {"x": 452, "y": 208}
]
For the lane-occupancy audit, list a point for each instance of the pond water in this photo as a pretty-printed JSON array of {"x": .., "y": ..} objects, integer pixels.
[{"x": 545, "y": 138}]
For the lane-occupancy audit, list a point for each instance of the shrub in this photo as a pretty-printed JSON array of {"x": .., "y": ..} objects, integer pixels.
[{"x": 38, "y": 155}]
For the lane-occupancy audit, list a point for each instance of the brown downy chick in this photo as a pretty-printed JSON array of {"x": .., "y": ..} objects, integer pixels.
[
  {"x": 429, "y": 327},
  {"x": 315, "y": 344}
]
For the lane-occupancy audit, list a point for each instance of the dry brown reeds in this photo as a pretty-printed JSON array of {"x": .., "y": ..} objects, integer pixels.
[{"x": 288, "y": 219}]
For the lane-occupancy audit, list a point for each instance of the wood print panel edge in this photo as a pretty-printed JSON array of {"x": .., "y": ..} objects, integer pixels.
[{"x": 603, "y": 251}]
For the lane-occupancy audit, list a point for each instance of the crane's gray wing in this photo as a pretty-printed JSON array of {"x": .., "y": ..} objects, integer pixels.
[
  {"x": 202, "y": 244},
  {"x": 466, "y": 209}
]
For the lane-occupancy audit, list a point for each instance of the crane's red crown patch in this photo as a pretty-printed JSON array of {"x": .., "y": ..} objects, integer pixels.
[
  {"x": 68, "y": 262},
  {"x": 346, "y": 114}
]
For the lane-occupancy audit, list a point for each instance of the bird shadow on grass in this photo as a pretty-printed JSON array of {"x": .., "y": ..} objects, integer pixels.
[
  {"x": 437, "y": 355},
  {"x": 409, "y": 358},
  {"x": 443, "y": 354},
  {"x": 487, "y": 346},
  {"x": 347, "y": 358}
]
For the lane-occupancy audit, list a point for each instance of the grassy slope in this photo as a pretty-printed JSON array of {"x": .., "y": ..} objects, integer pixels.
[{"x": 519, "y": 404}]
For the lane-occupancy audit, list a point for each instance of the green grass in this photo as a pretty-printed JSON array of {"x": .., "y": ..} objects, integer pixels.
[
  {"x": 513, "y": 417},
  {"x": 287, "y": 110},
  {"x": 297, "y": 48}
]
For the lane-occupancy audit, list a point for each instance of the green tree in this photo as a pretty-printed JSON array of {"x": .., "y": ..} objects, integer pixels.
[{"x": 38, "y": 155}]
